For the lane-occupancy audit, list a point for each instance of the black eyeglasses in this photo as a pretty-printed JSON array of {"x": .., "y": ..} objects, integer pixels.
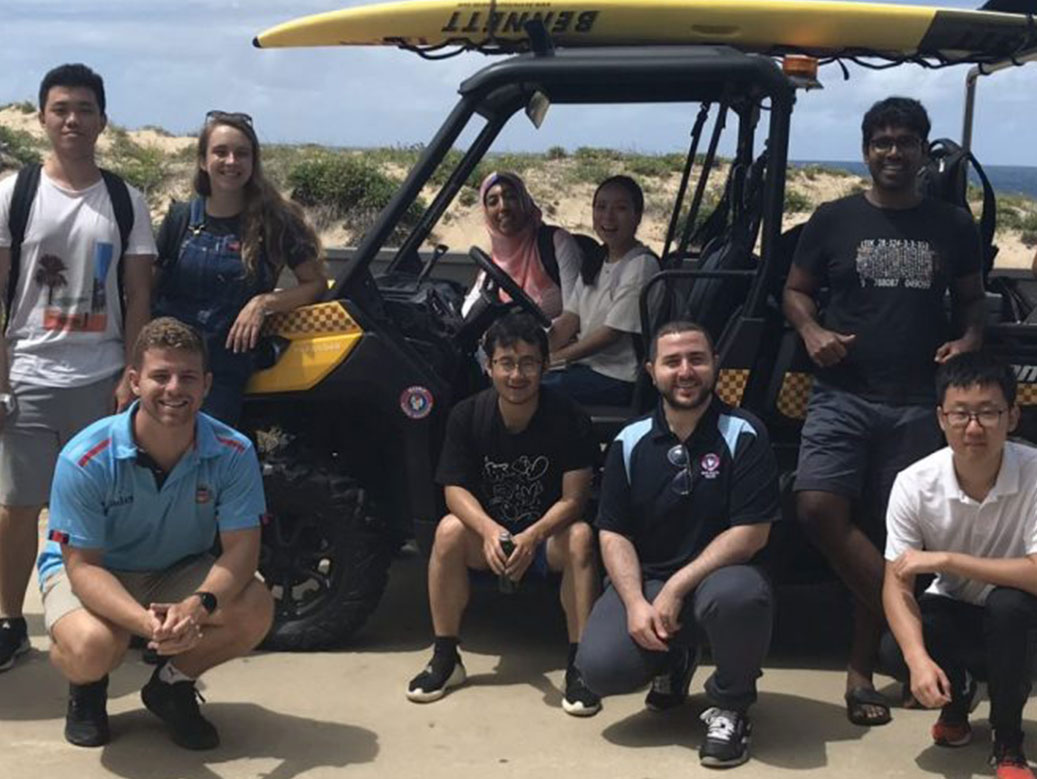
[
  {"x": 215, "y": 116},
  {"x": 986, "y": 417},
  {"x": 678, "y": 456},
  {"x": 905, "y": 143}
]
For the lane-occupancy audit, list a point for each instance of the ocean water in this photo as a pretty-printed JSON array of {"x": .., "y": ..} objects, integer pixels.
[{"x": 1006, "y": 179}]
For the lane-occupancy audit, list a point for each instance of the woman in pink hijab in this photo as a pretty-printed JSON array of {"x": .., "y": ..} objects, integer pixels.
[{"x": 517, "y": 232}]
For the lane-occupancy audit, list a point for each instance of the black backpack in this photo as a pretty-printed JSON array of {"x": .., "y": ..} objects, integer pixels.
[
  {"x": 546, "y": 246},
  {"x": 25, "y": 187},
  {"x": 945, "y": 177}
]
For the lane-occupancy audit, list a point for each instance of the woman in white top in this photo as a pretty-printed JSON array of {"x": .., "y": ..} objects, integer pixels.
[
  {"x": 518, "y": 241},
  {"x": 592, "y": 348}
]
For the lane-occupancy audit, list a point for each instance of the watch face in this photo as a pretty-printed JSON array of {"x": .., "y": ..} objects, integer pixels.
[{"x": 208, "y": 601}]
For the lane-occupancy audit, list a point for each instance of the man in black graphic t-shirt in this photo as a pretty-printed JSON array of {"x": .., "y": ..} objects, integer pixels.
[
  {"x": 887, "y": 256},
  {"x": 517, "y": 460}
]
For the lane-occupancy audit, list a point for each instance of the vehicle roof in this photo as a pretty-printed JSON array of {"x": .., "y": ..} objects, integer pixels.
[{"x": 636, "y": 75}]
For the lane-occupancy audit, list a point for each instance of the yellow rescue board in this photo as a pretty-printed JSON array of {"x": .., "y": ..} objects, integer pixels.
[{"x": 750, "y": 25}]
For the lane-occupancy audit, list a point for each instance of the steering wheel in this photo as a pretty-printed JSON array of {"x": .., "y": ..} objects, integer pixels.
[{"x": 505, "y": 283}]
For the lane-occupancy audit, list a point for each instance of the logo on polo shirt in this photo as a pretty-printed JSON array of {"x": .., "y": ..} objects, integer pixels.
[
  {"x": 202, "y": 494},
  {"x": 710, "y": 464}
]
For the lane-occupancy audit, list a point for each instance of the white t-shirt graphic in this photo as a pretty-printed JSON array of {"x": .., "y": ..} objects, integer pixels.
[{"x": 65, "y": 326}]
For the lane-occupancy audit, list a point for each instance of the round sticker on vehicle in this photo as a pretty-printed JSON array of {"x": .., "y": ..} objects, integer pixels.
[{"x": 416, "y": 402}]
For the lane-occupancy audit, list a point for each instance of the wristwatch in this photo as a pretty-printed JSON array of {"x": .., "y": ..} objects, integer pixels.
[
  {"x": 208, "y": 600},
  {"x": 7, "y": 402}
]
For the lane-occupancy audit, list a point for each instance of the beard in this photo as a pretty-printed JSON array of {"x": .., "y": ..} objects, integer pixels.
[{"x": 701, "y": 397}]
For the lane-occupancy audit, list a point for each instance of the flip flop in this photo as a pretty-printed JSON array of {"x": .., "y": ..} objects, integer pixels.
[{"x": 858, "y": 698}]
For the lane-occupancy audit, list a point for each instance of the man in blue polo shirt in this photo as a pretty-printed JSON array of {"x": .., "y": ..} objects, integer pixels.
[
  {"x": 687, "y": 498},
  {"x": 137, "y": 501}
]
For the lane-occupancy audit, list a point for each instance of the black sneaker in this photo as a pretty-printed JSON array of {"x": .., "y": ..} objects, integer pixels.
[
  {"x": 86, "y": 721},
  {"x": 670, "y": 689},
  {"x": 177, "y": 705},
  {"x": 14, "y": 641},
  {"x": 442, "y": 673},
  {"x": 727, "y": 738},
  {"x": 578, "y": 699}
]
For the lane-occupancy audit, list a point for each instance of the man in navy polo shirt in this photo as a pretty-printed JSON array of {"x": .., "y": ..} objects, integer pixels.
[
  {"x": 137, "y": 501},
  {"x": 687, "y": 498}
]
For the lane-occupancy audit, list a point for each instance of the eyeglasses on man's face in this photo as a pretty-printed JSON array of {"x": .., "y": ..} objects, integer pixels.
[
  {"x": 884, "y": 144},
  {"x": 986, "y": 417},
  {"x": 527, "y": 366}
]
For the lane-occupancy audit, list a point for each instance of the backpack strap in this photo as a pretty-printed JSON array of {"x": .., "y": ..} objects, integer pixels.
[
  {"x": 25, "y": 187},
  {"x": 546, "y": 247},
  {"x": 119, "y": 194},
  {"x": 988, "y": 219},
  {"x": 196, "y": 219}
]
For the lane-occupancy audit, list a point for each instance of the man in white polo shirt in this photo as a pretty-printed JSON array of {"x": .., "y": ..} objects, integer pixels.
[{"x": 968, "y": 514}]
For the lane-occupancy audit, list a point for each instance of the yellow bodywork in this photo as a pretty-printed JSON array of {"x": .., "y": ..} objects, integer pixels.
[
  {"x": 746, "y": 24},
  {"x": 320, "y": 337}
]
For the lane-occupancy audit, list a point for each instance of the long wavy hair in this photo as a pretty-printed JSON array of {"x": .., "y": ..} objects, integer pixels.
[{"x": 270, "y": 224}]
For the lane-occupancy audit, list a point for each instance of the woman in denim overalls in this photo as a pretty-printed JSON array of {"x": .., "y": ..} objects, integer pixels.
[{"x": 221, "y": 254}]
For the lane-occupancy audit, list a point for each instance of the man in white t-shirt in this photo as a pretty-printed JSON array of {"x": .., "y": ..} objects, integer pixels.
[
  {"x": 968, "y": 514},
  {"x": 77, "y": 298}
]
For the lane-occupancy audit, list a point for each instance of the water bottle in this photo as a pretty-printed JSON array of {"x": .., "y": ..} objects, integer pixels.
[{"x": 505, "y": 584}]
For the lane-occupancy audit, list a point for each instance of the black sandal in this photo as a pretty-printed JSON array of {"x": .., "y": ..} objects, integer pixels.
[{"x": 858, "y": 699}]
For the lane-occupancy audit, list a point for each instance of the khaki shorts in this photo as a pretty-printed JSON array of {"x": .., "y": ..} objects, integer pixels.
[
  {"x": 146, "y": 587},
  {"x": 44, "y": 420}
]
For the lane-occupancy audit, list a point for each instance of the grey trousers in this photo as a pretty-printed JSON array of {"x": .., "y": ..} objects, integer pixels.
[{"x": 733, "y": 607}]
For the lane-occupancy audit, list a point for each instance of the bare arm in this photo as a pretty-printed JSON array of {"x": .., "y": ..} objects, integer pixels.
[
  {"x": 236, "y": 566},
  {"x": 1020, "y": 573},
  {"x": 593, "y": 342},
  {"x": 734, "y": 546},
  {"x": 466, "y": 507},
  {"x": 644, "y": 623},
  {"x": 103, "y": 594},
  {"x": 929, "y": 684},
  {"x": 231, "y": 572},
  {"x": 623, "y": 567},
  {"x": 969, "y": 302},
  {"x": 825, "y": 347},
  {"x": 137, "y": 282},
  {"x": 313, "y": 282},
  {"x": 563, "y": 330},
  {"x": 5, "y": 270},
  {"x": 576, "y": 487}
]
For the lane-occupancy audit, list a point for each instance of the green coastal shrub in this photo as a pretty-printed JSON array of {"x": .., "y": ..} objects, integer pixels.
[
  {"x": 796, "y": 202},
  {"x": 145, "y": 167},
  {"x": 19, "y": 145},
  {"x": 351, "y": 188}
]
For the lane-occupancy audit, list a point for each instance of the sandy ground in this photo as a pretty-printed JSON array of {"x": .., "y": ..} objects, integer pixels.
[{"x": 344, "y": 714}]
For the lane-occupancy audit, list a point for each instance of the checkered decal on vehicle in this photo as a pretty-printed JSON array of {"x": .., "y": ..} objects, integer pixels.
[
  {"x": 1027, "y": 394},
  {"x": 731, "y": 385},
  {"x": 321, "y": 318},
  {"x": 795, "y": 392}
]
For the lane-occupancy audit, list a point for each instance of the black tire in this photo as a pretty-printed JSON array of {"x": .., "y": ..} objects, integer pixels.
[{"x": 325, "y": 556}]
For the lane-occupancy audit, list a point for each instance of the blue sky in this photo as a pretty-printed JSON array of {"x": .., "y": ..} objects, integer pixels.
[{"x": 167, "y": 63}]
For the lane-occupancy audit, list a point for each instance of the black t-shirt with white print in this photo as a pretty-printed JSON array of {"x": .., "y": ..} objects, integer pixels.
[
  {"x": 516, "y": 477},
  {"x": 888, "y": 271}
]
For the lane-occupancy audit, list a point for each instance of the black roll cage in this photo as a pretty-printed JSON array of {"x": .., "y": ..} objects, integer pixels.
[{"x": 670, "y": 74}]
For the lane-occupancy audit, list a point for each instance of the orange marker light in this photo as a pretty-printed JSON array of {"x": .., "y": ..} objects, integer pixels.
[{"x": 799, "y": 66}]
